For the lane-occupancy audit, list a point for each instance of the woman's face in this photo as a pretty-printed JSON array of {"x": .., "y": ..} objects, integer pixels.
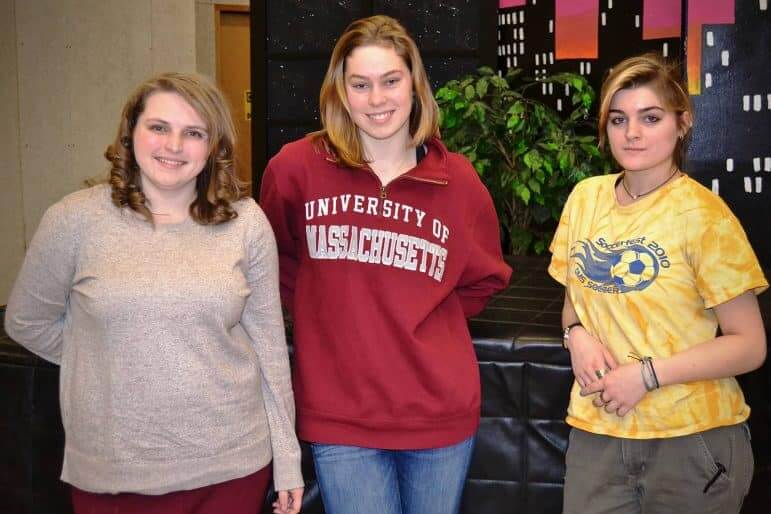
[
  {"x": 378, "y": 86},
  {"x": 171, "y": 144},
  {"x": 642, "y": 133}
]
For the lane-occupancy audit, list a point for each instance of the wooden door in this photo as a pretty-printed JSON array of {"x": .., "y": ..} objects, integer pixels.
[{"x": 233, "y": 77}]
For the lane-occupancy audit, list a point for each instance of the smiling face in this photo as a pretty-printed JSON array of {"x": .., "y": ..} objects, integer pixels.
[
  {"x": 642, "y": 132},
  {"x": 378, "y": 88},
  {"x": 171, "y": 145}
]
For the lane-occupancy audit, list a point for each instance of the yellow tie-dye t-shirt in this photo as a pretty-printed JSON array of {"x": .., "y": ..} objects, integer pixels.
[{"x": 643, "y": 278}]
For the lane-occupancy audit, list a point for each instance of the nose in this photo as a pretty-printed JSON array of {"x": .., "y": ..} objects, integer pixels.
[
  {"x": 376, "y": 96},
  {"x": 174, "y": 142},
  {"x": 632, "y": 129}
]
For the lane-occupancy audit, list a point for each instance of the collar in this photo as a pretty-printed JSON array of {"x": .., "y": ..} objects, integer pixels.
[{"x": 433, "y": 167}]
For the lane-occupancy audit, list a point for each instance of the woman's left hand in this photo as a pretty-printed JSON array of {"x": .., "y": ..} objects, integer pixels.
[{"x": 619, "y": 390}]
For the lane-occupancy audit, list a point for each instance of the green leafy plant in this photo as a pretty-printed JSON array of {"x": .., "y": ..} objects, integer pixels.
[{"x": 527, "y": 154}]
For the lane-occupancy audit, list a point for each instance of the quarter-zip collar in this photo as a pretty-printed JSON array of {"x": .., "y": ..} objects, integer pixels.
[{"x": 433, "y": 167}]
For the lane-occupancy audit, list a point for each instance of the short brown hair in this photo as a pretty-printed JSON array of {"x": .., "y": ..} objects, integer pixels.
[
  {"x": 217, "y": 186},
  {"x": 663, "y": 78},
  {"x": 339, "y": 133}
]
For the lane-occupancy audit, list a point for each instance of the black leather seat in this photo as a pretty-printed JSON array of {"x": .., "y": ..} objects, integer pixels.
[{"x": 518, "y": 465}]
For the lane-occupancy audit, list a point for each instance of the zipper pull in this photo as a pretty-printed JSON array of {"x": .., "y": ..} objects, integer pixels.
[{"x": 720, "y": 469}]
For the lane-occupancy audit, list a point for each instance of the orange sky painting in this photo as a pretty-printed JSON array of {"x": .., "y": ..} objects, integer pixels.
[{"x": 576, "y": 29}]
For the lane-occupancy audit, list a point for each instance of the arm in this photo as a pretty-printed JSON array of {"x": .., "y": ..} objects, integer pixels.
[
  {"x": 278, "y": 210},
  {"x": 486, "y": 272},
  {"x": 264, "y": 324},
  {"x": 587, "y": 354},
  {"x": 35, "y": 316},
  {"x": 740, "y": 349}
]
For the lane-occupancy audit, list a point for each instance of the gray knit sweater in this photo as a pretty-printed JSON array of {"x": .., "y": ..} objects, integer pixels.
[{"x": 174, "y": 367}]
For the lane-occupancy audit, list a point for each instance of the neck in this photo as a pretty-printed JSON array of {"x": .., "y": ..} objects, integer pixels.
[
  {"x": 389, "y": 158},
  {"x": 639, "y": 182},
  {"x": 632, "y": 195},
  {"x": 169, "y": 206}
]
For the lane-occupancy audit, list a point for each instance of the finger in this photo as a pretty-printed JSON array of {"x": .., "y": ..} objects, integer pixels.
[
  {"x": 597, "y": 402},
  {"x": 596, "y": 386},
  {"x": 283, "y": 500},
  {"x": 296, "y": 501},
  {"x": 610, "y": 361},
  {"x": 612, "y": 406}
]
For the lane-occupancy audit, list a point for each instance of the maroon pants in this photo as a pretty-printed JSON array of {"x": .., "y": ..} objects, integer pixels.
[{"x": 239, "y": 496}]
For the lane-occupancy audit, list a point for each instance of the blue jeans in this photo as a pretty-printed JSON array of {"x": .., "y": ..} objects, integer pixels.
[{"x": 356, "y": 480}]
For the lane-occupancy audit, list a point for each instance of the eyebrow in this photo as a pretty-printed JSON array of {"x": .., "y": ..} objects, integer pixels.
[
  {"x": 354, "y": 76},
  {"x": 160, "y": 120},
  {"x": 644, "y": 109}
]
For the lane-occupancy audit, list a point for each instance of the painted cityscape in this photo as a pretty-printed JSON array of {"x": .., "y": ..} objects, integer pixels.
[{"x": 725, "y": 47}]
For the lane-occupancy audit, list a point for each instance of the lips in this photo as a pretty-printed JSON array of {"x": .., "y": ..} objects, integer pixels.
[
  {"x": 169, "y": 163},
  {"x": 380, "y": 116}
]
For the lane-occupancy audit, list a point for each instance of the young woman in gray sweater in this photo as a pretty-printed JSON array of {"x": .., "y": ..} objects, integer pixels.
[{"x": 158, "y": 296}]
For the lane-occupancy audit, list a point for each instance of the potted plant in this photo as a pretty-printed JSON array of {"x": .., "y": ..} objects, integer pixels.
[{"x": 527, "y": 154}]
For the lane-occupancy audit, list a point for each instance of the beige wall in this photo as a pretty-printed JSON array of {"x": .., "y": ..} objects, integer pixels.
[
  {"x": 11, "y": 206},
  {"x": 67, "y": 67}
]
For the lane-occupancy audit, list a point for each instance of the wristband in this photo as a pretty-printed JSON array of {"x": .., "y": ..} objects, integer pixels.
[{"x": 566, "y": 333}]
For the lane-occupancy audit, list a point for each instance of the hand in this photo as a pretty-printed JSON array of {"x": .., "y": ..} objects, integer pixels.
[
  {"x": 289, "y": 502},
  {"x": 619, "y": 391},
  {"x": 588, "y": 356}
]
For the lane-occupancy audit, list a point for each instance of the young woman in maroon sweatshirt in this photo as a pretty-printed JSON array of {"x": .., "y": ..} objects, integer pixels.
[{"x": 387, "y": 243}]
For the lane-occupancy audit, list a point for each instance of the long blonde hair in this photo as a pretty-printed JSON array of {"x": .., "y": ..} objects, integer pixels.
[{"x": 339, "y": 134}]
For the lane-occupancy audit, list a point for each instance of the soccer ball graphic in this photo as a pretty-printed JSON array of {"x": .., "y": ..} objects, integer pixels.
[{"x": 633, "y": 268}]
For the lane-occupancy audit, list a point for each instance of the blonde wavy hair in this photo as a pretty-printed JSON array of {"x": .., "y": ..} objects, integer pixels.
[
  {"x": 217, "y": 186},
  {"x": 339, "y": 134},
  {"x": 664, "y": 79}
]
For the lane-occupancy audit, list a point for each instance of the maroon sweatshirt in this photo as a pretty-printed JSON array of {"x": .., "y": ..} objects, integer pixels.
[{"x": 379, "y": 281}]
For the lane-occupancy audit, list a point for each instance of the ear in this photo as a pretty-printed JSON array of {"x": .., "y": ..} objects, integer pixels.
[{"x": 685, "y": 124}]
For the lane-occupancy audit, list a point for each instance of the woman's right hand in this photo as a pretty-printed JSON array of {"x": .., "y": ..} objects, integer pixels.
[
  {"x": 288, "y": 502},
  {"x": 588, "y": 356}
]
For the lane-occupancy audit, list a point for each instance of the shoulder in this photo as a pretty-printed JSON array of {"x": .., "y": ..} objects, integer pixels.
[
  {"x": 693, "y": 199},
  {"x": 296, "y": 152},
  {"x": 594, "y": 184},
  {"x": 591, "y": 189},
  {"x": 93, "y": 197},
  {"x": 84, "y": 204},
  {"x": 250, "y": 214},
  {"x": 72, "y": 216},
  {"x": 457, "y": 166},
  {"x": 705, "y": 220}
]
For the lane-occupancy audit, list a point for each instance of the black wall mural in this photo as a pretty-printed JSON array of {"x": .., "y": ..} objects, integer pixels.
[
  {"x": 731, "y": 146},
  {"x": 729, "y": 78}
]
